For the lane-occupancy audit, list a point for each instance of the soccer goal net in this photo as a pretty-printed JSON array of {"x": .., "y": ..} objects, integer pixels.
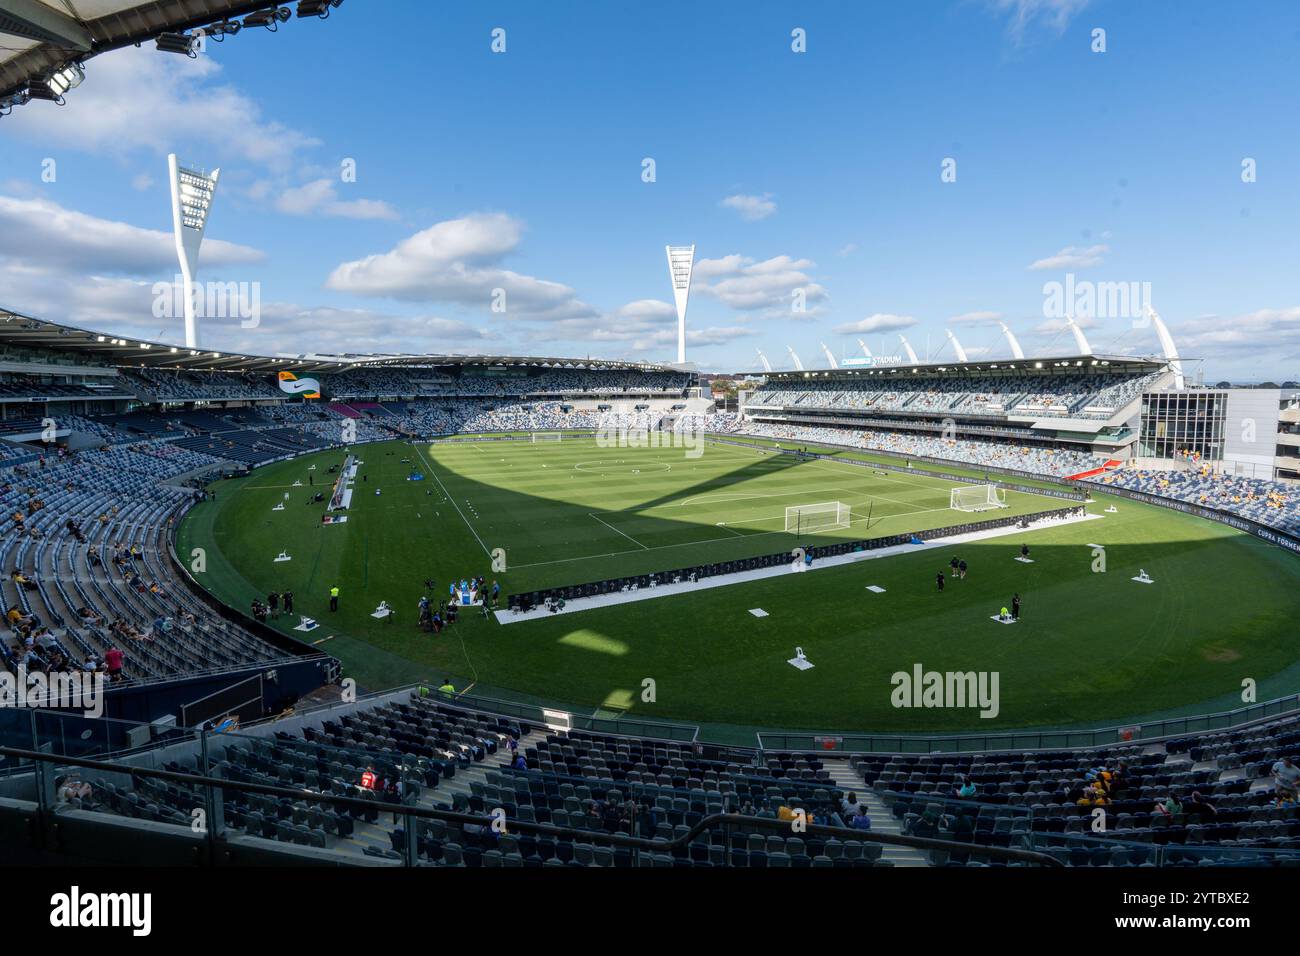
[
  {"x": 977, "y": 498},
  {"x": 809, "y": 519},
  {"x": 547, "y": 436}
]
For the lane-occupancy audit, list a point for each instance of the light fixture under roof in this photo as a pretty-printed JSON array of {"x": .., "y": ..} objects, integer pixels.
[
  {"x": 270, "y": 18},
  {"x": 182, "y": 43},
  {"x": 68, "y": 78},
  {"x": 316, "y": 8},
  {"x": 221, "y": 29},
  {"x": 41, "y": 91}
]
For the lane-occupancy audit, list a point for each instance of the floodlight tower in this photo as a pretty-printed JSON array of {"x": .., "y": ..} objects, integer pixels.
[
  {"x": 681, "y": 260},
  {"x": 192, "y": 193}
]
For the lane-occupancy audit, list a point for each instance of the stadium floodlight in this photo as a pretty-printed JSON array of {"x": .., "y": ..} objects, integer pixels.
[
  {"x": 222, "y": 29},
  {"x": 192, "y": 194},
  {"x": 316, "y": 8},
  {"x": 182, "y": 43},
  {"x": 977, "y": 498},
  {"x": 68, "y": 78},
  {"x": 41, "y": 91},
  {"x": 271, "y": 18},
  {"x": 681, "y": 262},
  {"x": 810, "y": 519}
]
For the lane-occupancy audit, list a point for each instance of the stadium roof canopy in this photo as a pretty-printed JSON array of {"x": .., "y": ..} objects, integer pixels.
[
  {"x": 1034, "y": 365},
  {"x": 17, "y": 329},
  {"x": 41, "y": 37}
]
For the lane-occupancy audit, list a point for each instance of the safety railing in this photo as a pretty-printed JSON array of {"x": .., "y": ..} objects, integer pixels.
[
  {"x": 1065, "y": 739},
  {"x": 215, "y": 831}
]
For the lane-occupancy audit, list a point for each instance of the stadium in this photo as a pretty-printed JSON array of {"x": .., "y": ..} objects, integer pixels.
[{"x": 517, "y": 610}]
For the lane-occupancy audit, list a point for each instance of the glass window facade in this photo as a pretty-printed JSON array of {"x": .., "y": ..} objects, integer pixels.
[{"x": 1175, "y": 424}]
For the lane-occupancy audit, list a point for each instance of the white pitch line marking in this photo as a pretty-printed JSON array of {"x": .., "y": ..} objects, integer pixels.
[{"x": 612, "y": 528}]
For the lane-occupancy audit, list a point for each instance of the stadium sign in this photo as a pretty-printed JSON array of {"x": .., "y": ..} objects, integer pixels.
[
  {"x": 875, "y": 361},
  {"x": 291, "y": 384}
]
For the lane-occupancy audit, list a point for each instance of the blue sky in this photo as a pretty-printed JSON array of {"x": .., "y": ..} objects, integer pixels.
[{"x": 816, "y": 171}]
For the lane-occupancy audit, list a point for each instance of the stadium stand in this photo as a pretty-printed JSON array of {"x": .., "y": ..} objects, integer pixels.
[
  {"x": 84, "y": 550},
  {"x": 1096, "y": 396},
  {"x": 1272, "y": 503},
  {"x": 1228, "y": 805},
  {"x": 1050, "y": 462}
]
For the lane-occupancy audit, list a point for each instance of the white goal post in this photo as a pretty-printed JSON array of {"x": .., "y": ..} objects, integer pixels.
[
  {"x": 977, "y": 498},
  {"x": 810, "y": 519},
  {"x": 547, "y": 436}
]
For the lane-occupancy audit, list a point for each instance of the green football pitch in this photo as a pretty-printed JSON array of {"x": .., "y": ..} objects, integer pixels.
[{"x": 1092, "y": 647}]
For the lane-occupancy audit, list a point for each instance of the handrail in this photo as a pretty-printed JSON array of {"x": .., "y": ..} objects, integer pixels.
[
  {"x": 614, "y": 839},
  {"x": 1030, "y": 738}
]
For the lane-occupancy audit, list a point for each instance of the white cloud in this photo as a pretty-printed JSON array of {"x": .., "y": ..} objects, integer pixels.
[
  {"x": 41, "y": 232},
  {"x": 284, "y": 328},
  {"x": 1023, "y": 15},
  {"x": 646, "y": 325},
  {"x": 458, "y": 261},
  {"x": 880, "y": 322},
  {"x": 137, "y": 99},
  {"x": 847, "y": 249},
  {"x": 124, "y": 307},
  {"x": 321, "y": 197},
  {"x": 767, "y": 287},
  {"x": 1265, "y": 333},
  {"x": 1073, "y": 257},
  {"x": 975, "y": 318},
  {"x": 142, "y": 183},
  {"x": 750, "y": 208}
]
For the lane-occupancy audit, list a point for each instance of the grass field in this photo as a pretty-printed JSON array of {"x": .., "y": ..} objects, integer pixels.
[{"x": 1091, "y": 648}]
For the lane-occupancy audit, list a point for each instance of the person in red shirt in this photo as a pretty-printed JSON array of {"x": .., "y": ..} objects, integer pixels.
[{"x": 113, "y": 663}]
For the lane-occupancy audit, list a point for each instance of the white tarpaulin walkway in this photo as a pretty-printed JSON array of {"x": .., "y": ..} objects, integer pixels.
[{"x": 507, "y": 616}]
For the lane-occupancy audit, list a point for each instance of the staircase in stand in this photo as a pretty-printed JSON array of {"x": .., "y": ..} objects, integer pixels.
[{"x": 882, "y": 821}]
